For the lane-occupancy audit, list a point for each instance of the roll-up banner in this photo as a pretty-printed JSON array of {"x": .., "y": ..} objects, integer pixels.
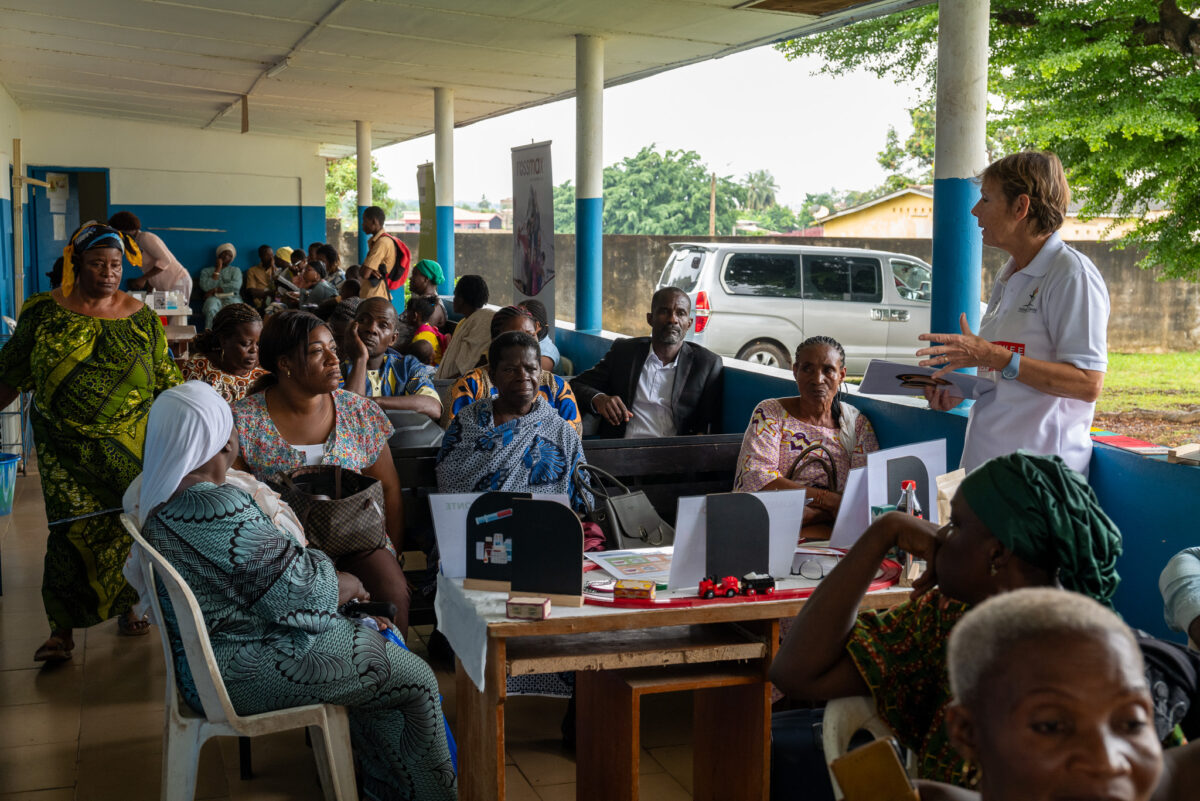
[
  {"x": 427, "y": 201},
  {"x": 533, "y": 226}
]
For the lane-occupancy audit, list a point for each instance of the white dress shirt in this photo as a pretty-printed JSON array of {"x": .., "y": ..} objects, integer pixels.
[{"x": 653, "y": 415}]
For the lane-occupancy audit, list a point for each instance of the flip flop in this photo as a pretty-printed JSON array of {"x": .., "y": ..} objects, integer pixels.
[
  {"x": 55, "y": 649},
  {"x": 133, "y": 628}
]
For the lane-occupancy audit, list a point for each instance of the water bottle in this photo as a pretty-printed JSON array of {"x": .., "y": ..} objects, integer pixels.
[{"x": 908, "y": 503}]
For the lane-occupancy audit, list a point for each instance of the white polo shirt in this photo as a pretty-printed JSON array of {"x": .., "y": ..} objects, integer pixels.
[{"x": 1056, "y": 309}]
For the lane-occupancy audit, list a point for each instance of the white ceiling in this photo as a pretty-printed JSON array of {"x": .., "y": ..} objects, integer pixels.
[{"x": 184, "y": 63}]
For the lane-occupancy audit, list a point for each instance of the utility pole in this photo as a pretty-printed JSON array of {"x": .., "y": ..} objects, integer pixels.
[{"x": 712, "y": 207}]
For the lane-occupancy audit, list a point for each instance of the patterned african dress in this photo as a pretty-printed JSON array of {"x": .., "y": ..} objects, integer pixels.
[
  {"x": 93, "y": 381},
  {"x": 901, "y": 655},
  {"x": 774, "y": 440},
  {"x": 229, "y": 386},
  {"x": 536, "y": 453},
  {"x": 476, "y": 385},
  {"x": 270, "y": 609}
]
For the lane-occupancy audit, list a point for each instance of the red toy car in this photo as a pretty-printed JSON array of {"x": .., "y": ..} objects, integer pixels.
[{"x": 711, "y": 586}]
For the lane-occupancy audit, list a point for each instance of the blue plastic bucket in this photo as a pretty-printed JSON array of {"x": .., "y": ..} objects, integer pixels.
[{"x": 8, "y": 481}]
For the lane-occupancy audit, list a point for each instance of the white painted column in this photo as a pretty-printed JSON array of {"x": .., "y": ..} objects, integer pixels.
[
  {"x": 443, "y": 181},
  {"x": 589, "y": 183},
  {"x": 960, "y": 153},
  {"x": 363, "y": 136}
]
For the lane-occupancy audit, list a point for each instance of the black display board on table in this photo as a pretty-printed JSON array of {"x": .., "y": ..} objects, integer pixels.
[
  {"x": 737, "y": 535},
  {"x": 491, "y": 524}
]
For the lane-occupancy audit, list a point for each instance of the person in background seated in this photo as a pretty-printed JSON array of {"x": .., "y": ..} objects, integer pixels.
[
  {"x": 473, "y": 332},
  {"x": 315, "y": 289},
  {"x": 333, "y": 265},
  {"x": 550, "y": 354},
  {"x": 283, "y": 262},
  {"x": 477, "y": 384},
  {"x": 809, "y": 441},
  {"x": 259, "y": 287},
  {"x": 423, "y": 283},
  {"x": 512, "y": 441},
  {"x": 161, "y": 271},
  {"x": 1017, "y": 521},
  {"x": 1050, "y": 701},
  {"x": 297, "y": 416},
  {"x": 226, "y": 355},
  {"x": 372, "y": 369},
  {"x": 428, "y": 344},
  {"x": 220, "y": 284},
  {"x": 270, "y": 606},
  {"x": 351, "y": 289},
  {"x": 313, "y": 250},
  {"x": 656, "y": 386}
]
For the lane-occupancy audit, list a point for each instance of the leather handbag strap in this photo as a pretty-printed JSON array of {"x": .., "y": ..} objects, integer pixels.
[
  {"x": 826, "y": 464},
  {"x": 584, "y": 472}
]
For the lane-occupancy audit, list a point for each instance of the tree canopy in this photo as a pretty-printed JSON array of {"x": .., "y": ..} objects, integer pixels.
[
  {"x": 1111, "y": 86},
  {"x": 341, "y": 191}
]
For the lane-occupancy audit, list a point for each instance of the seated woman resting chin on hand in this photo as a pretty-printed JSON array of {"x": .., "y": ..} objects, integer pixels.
[{"x": 809, "y": 441}]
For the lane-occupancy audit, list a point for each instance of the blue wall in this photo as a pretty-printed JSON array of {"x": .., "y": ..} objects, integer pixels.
[
  {"x": 6, "y": 259},
  {"x": 1155, "y": 504}
]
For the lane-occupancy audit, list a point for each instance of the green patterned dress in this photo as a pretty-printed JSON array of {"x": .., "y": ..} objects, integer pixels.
[
  {"x": 270, "y": 607},
  {"x": 93, "y": 381}
]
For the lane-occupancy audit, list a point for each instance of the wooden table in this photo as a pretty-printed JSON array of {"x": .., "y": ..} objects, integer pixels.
[{"x": 722, "y": 651}]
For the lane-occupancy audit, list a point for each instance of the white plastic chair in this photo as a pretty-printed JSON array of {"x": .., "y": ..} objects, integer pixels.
[
  {"x": 186, "y": 731},
  {"x": 845, "y": 717}
]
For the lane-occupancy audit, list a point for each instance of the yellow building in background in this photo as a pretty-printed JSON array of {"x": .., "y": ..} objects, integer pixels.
[{"x": 908, "y": 214}]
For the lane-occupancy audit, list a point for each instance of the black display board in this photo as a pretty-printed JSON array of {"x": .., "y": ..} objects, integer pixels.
[
  {"x": 548, "y": 552},
  {"x": 491, "y": 525},
  {"x": 737, "y": 535}
]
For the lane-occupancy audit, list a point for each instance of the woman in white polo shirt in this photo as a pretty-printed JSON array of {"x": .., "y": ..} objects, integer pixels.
[{"x": 1043, "y": 339}]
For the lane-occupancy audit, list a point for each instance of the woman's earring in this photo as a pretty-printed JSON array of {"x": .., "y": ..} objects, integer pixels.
[
  {"x": 994, "y": 569},
  {"x": 289, "y": 375}
]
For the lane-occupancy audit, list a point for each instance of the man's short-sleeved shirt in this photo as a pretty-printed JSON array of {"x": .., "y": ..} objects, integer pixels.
[{"x": 398, "y": 375}]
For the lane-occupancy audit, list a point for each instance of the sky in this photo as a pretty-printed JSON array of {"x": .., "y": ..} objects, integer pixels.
[{"x": 750, "y": 111}]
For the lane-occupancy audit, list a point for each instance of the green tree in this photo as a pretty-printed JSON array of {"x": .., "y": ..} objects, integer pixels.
[
  {"x": 666, "y": 193},
  {"x": 341, "y": 191},
  {"x": 1111, "y": 86},
  {"x": 485, "y": 204},
  {"x": 760, "y": 190},
  {"x": 776, "y": 218},
  {"x": 564, "y": 208}
]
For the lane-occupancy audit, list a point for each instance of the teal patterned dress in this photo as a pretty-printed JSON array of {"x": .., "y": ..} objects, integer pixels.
[
  {"x": 270, "y": 609},
  {"x": 93, "y": 381}
]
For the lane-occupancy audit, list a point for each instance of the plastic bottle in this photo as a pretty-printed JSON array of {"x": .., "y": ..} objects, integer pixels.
[{"x": 908, "y": 503}]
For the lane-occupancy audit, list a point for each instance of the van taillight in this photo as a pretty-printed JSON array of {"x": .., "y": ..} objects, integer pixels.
[{"x": 702, "y": 311}]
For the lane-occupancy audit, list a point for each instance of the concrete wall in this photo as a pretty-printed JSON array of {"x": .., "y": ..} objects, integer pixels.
[{"x": 1147, "y": 315}]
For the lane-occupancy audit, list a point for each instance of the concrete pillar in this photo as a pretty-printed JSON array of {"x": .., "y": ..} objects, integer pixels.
[
  {"x": 443, "y": 179},
  {"x": 589, "y": 183},
  {"x": 960, "y": 152},
  {"x": 363, "y": 136}
]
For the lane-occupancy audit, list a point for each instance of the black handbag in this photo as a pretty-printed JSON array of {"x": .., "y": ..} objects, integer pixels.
[
  {"x": 341, "y": 510},
  {"x": 626, "y": 516}
]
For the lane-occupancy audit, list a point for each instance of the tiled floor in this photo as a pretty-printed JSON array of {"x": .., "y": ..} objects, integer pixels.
[{"x": 92, "y": 728}]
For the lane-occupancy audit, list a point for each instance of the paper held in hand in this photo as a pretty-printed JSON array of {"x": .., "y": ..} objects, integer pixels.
[{"x": 892, "y": 378}]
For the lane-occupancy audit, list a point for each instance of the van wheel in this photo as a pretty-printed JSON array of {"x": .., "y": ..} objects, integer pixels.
[{"x": 761, "y": 352}]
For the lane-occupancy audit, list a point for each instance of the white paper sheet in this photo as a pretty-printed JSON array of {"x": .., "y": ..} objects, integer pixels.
[
  {"x": 854, "y": 514},
  {"x": 893, "y": 378},
  {"x": 651, "y": 564},
  {"x": 450, "y": 526},
  {"x": 687, "y": 563},
  {"x": 464, "y": 626},
  {"x": 785, "y": 509},
  {"x": 932, "y": 454}
]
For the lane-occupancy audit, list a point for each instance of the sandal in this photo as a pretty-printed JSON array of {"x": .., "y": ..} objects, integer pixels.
[
  {"x": 130, "y": 626},
  {"x": 55, "y": 649}
]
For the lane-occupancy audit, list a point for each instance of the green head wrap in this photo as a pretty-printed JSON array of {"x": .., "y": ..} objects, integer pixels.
[
  {"x": 431, "y": 270},
  {"x": 1046, "y": 514}
]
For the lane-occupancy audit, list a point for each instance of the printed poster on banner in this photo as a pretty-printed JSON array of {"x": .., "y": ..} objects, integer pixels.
[
  {"x": 427, "y": 199},
  {"x": 533, "y": 225}
]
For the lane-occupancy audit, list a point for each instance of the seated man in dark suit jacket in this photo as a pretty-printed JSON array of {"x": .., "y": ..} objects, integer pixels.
[{"x": 656, "y": 386}]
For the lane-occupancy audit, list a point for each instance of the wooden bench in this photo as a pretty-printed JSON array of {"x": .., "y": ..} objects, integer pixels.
[{"x": 665, "y": 469}]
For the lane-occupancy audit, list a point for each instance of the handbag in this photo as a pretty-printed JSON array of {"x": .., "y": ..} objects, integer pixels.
[
  {"x": 341, "y": 510},
  {"x": 807, "y": 457},
  {"x": 626, "y": 516}
]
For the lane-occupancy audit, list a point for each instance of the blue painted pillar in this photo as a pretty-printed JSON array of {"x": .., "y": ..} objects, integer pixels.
[
  {"x": 363, "y": 136},
  {"x": 960, "y": 152},
  {"x": 589, "y": 183},
  {"x": 443, "y": 182}
]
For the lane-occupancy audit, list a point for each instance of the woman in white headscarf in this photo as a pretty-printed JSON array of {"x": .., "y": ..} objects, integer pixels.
[
  {"x": 270, "y": 605},
  {"x": 221, "y": 284}
]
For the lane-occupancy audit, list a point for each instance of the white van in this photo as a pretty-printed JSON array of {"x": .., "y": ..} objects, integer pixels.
[{"x": 758, "y": 302}]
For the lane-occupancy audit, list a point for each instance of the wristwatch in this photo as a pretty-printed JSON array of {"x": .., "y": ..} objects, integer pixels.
[{"x": 1013, "y": 368}]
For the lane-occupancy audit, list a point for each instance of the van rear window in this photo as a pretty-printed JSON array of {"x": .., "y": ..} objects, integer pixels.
[
  {"x": 847, "y": 278},
  {"x": 766, "y": 274},
  {"x": 682, "y": 270}
]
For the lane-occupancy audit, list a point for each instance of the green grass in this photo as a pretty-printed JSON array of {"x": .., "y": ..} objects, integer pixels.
[{"x": 1151, "y": 381}]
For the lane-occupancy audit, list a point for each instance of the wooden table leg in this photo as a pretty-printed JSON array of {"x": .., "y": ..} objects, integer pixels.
[
  {"x": 607, "y": 737},
  {"x": 479, "y": 729},
  {"x": 731, "y": 743}
]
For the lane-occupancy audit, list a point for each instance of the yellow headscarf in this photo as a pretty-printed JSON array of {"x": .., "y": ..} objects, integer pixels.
[{"x": 95, "y": 235}]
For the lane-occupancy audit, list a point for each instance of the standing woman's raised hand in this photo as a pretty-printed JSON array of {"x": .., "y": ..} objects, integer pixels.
[{"x": 962, "y": 350}]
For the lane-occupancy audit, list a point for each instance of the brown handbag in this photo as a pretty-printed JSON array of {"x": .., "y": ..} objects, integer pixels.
[
  {"x": 341, "y": 510},
  {"x": 808, "y": 456}
]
